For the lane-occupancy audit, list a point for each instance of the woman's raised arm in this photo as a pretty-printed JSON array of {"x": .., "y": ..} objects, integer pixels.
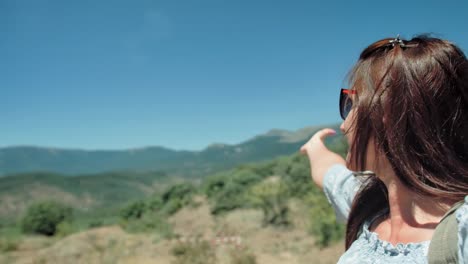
[{"x": 320, "y": 157}]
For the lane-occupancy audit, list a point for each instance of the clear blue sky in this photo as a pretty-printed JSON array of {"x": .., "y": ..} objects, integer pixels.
[{"x": 96, "y": 74}]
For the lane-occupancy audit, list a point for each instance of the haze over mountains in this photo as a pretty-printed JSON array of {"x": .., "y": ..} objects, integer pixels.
[{"x": 215, "y": 157}]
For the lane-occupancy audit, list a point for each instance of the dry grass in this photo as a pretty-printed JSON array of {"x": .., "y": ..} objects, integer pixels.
[{"x": 235, "y": 233}]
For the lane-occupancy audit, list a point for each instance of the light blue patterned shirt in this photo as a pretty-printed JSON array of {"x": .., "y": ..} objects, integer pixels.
[{"x": 340, "y": 187}]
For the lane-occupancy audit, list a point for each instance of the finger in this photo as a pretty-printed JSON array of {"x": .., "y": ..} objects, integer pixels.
[
  {"x": 303, "y": 149},
  {"x": 326, "y": 132},
  {"x": 318, "y": 136}
]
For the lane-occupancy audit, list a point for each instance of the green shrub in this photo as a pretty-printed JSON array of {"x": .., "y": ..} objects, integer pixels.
[
  {"x": 231, "y": 197},
  {"x": 181, "y": 191},
  {"x": 298, "y": 179},
  {"x": 155, "y": 203},
  {"x": 172, "y": 206},
  {"x": 245, "y": 177},
  {"x": 134, "y": 210},
  {"x": 272, "y": 197},
  {"x": 44, "y": 217},
  {"x": 176, "y": 197},
  {"x": 64, "y": 228},
  {"x": 214, "y": 185},
  {"x": 199, "y": 252},
  {"x": 323, "y": 226},
  {"x": 95, "y": 223},
  {"x": 282, "y": 166},
  {"x": 229, "y": 190},
  {"x": 263, "y": 169}
]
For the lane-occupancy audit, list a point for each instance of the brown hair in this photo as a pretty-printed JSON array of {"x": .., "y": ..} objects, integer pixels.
[{"x": 412, "y": 100}]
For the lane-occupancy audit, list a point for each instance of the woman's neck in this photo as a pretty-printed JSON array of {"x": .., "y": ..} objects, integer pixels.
[
  {"x": 408, "y": 208},
  {"x": 412, "y": 218}
]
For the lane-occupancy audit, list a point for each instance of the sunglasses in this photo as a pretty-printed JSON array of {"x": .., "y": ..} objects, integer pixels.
[{"x": 346, "y": 104}]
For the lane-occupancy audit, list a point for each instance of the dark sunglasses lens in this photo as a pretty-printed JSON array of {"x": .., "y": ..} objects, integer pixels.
[{"x": 345, "y": 105}]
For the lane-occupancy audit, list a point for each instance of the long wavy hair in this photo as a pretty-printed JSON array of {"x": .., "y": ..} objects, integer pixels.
[{"x": 412, "y": 100}]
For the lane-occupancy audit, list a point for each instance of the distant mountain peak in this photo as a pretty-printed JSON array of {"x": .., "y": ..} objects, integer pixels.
[
  {"x": 217, "y": 146},
  {"x": 277, "y": 132},
  {"x": 287, "y": 136}
]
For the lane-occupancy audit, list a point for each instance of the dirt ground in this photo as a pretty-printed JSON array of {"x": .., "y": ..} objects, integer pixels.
[{"x": 239, "y": 230}]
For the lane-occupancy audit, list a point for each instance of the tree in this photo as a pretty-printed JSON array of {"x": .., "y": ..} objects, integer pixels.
[
  {"x": 227, "y": 191},
  {"x": 134, "y": 210},
  {"x": 271, "y": 197},
  {"x": 298, "y": 178},
  {"x": 44, "y": 217},
  {"x": 177, "y": 196}
]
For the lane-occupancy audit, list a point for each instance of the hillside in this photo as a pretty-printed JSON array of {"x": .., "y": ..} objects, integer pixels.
[
  {"x": 109, "y": 190},
  {"x": 88, "y": 192},
  {"x": 213, "y": 158},
  {"x": 262, "y": 212}
]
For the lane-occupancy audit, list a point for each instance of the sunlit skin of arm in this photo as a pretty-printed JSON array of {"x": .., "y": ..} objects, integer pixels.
[{"x": 320, "y": 157}]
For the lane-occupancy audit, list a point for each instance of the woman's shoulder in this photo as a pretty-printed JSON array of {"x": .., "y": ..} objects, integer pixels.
[
  {"x": 461, "y": 214},
  {"x": 461, "y": 210}
]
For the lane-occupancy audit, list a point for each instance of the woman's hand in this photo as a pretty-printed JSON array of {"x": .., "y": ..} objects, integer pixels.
[
  {"x": 315, "y": 145},
  {"x": 320, "y": 157}
]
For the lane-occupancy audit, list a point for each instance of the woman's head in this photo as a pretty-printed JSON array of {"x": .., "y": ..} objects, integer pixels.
[{"x": 411, "y": 109}]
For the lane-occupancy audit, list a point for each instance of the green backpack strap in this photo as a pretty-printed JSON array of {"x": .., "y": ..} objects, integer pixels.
[{"x": 444, "y": 243}]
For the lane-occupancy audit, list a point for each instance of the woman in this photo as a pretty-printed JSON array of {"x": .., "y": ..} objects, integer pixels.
[{"x": 406, "y": 122}]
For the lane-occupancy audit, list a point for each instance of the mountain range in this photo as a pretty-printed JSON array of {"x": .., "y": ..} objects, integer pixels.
[{"x": 274, "y": 143}]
